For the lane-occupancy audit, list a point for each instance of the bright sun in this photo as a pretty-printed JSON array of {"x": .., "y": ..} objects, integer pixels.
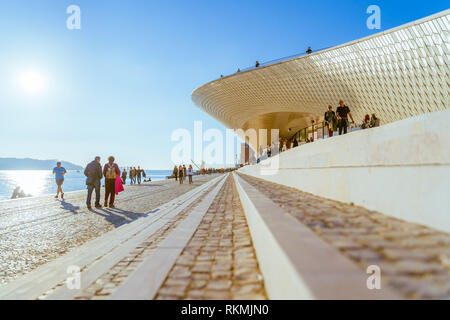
[{"x": 32, "y": 82}]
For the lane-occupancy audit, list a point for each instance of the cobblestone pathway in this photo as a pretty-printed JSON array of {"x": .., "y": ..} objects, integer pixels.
[
  {"x": 414, "y": 259},
  {"x": 219, "y": 261},
  {"x": 103, "y": 287},
  {"x": 35, "y": 231}
]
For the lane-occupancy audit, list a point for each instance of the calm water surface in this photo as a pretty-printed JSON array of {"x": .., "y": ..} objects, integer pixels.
[{"x": 40, "y": 182}]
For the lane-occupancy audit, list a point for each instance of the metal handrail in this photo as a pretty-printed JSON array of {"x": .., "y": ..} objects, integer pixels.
[
  {"x": 320, "y": 128},
  {"x": 271, "y": 62}
]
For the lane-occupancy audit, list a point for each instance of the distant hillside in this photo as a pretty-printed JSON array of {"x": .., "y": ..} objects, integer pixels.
[{"x": 33, "y": 164}]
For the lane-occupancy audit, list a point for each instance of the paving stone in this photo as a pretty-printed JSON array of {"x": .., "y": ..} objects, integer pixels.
[
  {"x": 219, "y": 285},
  {"x": 415, "y": 255},
  {"x": 228, "y": 245},
  {"x": 41, "y": 229},
  {"x": 216, "y": 295},
  {"x": 169, "y": 290}
]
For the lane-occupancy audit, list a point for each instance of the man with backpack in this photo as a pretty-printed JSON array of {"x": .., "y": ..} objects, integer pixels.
[
  {"x": 93, "y": 172},
  {"x": 110, "y": 171}
]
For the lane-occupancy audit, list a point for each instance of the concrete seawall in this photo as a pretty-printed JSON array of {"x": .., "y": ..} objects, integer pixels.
[{"x": 401, "y": 169}]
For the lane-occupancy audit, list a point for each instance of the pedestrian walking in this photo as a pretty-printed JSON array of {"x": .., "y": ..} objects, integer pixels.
[
  {"x": 139, "y": 174},
  {"x": 59, "y": 173},
  {"x": 180, "y": 174},
  {"x": 190, "y": 173},
  {"x": 342, "y": 114},
  {"x": 124, "y": 176},
  {"x": 330, "y": 120},
  {"x": 130, "y": 175},
  {"x": 175, "y": 172},
  {"x": 110, "y": 171},
  {"x": 94, "y": 175},
  {"x": 184, "y": 172},
  {"x": 133, "y": 174}
]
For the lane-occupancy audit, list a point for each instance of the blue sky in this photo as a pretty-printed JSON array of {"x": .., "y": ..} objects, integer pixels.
[{"x": 122, "y": 84}]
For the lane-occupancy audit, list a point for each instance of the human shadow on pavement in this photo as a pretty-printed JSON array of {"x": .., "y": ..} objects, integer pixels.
[
  {"x": 130, "y": 214},
  {"x": 145, "y": 185},
  {"x": 69, "y": 207},
  {"x": 112, "y": 215}
]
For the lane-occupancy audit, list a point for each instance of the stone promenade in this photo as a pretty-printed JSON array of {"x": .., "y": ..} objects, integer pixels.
[
  {"x": 218, "y": 262},
  {"x": 167, "y": 241},
  {"x": 35, "y": 231}
]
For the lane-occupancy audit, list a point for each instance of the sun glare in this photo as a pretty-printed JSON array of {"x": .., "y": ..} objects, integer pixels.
[{"x": 32, "y": 82}]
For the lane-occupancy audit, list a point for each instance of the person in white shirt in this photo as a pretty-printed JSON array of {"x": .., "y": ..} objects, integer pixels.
[{"x": 190, "y": 173}]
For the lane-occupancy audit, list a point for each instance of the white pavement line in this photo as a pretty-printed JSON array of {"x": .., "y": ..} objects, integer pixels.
[
  {"x": 144, "y": 282},
  {"x": 47, "y": 276},
  {"x": 295, "y": 262},
  {"x": 100, "y": 267}
]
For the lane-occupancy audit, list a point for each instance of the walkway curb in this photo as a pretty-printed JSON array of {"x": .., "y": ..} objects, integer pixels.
[{"x": 144, "y": 282}]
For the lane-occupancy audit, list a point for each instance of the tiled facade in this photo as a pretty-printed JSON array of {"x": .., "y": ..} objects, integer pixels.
[{"x": 396, "y": 74}]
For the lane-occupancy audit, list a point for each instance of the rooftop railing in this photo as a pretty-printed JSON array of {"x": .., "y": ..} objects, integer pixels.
[
  {"x": 317, "y": 132},
  {"x": 275, "y": 61}
]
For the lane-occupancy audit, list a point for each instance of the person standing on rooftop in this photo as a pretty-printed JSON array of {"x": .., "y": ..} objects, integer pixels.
[
  {"x": 110, "y": 171},
  {"x": 257, "y": 64},
  {"x": 342, "y": 114},
  {"x": 59, "y": 173},
  {"x": 94, "y": 174},
  {"x": 309, "y": 51}
]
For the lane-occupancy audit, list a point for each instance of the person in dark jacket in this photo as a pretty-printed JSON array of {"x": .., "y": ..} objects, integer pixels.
[
  {"x": 180, "y": 174},
  {"x": 139, "y": 175},
  {"x": 124, "y": 176},
  {"x": 131, "y": 175},
  {"x": 93, "y": 172},
  {"x": 175, "y": 172},
  {"x": 330, "y": 121},
  {"x": 342, "y": 113},
  {"x": 110, "y": 171}
]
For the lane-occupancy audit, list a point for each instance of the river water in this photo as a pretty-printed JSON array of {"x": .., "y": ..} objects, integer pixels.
[{"x": 40, "y": 182}]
